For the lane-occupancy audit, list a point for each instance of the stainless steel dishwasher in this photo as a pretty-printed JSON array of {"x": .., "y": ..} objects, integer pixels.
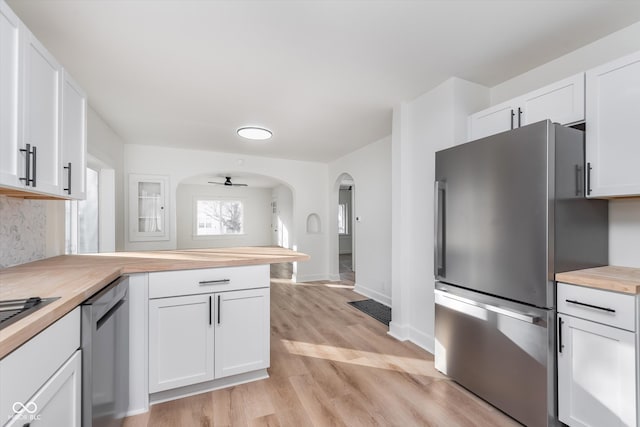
[{"x": 105, "y": 356}]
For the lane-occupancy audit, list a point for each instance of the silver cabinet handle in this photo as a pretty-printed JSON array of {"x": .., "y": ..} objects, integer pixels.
[
  {"x": 214, "y": 282},
  {"x": 499, "y": 310},
  {"x": 68, "y": 168}
]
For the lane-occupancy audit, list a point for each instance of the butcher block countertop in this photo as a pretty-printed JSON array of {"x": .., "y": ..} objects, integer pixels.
[
  {"x": 74, "y": 278},
  {"x": 610, "y": 278}
]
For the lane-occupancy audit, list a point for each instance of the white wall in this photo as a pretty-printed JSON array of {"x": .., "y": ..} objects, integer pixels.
[
  {"x": 434, "y": 121},
  {"x": 370, "y": 168},
  {"x": 256, "y": 216},
  {"x": 624, "y": 215},
  {"x": 284, "y": 225},
  {"x": 307, "y": 181}
]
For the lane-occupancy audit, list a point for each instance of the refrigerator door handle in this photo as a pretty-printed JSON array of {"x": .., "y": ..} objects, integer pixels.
[
  {"x": 438, "y": 232},
  {"x": 525, "y": 317}
]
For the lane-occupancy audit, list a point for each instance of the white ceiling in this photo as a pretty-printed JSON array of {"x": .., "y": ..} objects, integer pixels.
[{"x": 323, "y": 75}]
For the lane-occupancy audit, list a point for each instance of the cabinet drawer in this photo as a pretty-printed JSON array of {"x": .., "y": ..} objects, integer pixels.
[
  {"x": 606, "y": 307},
  {"x": 26, "y": 369},
  {"x": 207, "y": 280}
]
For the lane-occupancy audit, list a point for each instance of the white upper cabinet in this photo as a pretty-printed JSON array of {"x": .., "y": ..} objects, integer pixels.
[
  {"x": 74, "y": 138},
  {"x": 11, "y": 162},
  {"x": 496, "y": 119},
  {"x": 612, "y": 143},
  {"x": 41, "y": 116},
  {"x": 561, "y": 102}
]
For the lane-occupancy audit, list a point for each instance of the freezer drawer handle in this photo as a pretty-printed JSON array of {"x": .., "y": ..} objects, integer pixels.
[
  {"x": 214, "y": 282},
  {"x": 610, "y": 310},
  {"x": 509, "y": 313}
]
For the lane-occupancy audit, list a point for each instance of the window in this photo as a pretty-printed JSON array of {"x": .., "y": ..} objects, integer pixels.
[
  {"x": 343, "y": 216},
  {"x": 81, "y": 219},
  {"x": 218, "y": 217}
]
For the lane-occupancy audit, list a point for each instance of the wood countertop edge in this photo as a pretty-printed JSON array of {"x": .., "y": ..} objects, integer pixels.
[
  {"x": 13, "y": 336},
  {"x": 609, "y": 278},
  {"x": 18, "y": 333}
]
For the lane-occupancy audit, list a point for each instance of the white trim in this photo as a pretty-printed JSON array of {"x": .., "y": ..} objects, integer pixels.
[
  {"x": 421, "y": 339},
  {"x": 311, "y": 277},
  {"x": 107, "y": 210},
  {"x": 409, "y": 333},
  {"x": 397, "y": 331},
  {"x": 190, "y": 390},
  {"x": 334, "y": 277},
  {"x": 374, "y": 295}
]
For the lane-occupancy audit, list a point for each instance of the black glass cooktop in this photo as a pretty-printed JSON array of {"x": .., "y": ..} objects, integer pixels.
[{"x": 16, "y": 309}]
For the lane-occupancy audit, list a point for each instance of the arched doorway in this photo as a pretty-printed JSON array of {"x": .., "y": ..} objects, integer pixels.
[{"x": 346, "y": 229}]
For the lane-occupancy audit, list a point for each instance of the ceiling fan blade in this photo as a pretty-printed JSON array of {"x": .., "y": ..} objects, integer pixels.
[
  {"x": 219, "y": 183},
  {"x": 239, "y": 185}
]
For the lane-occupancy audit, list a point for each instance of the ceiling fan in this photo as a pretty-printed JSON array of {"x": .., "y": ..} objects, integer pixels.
[{"x": 228, "y": 182}]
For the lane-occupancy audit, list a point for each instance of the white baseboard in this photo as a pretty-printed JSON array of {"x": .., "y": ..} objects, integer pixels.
[
  {"x": 374, "y": 295},
  {"x": 409, "y": 333},
  {"x": 180, "y": 392},
  {"x": 334, "y": 277},
  {"x": 421, "y": 339},
  {"x": 399, "y": 332},
  {"x": 311, "y": 277}
]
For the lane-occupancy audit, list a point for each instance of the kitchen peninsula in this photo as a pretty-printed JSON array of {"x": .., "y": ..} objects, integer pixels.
[
  {"x": 74, "y": 278},
  {"x": 171, "y": 352}
]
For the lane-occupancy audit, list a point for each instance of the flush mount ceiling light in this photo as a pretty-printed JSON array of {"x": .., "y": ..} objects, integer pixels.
[{"x": 255, "y": 133}]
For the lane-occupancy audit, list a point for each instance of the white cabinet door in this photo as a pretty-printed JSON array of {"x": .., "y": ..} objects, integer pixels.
[
  {"x": 180, "y": 341},
  {"x": 11, "y": 159},
  {"x": 596, "y": 374},
  {"x": 58, "y": 402},
  {"x": 41, "y": 114},
  {"x": 74, "y": 138},
  {"x": 496, "y": 119},
  {"x": 612, "y": 144},
  {"x": 148, "y": 208},
  {"x": 561, "y": 102},
  {"x": 241, "y": 332}
]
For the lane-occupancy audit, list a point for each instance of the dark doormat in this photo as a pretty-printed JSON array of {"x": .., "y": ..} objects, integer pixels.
[{"x": 378, "y": 311}]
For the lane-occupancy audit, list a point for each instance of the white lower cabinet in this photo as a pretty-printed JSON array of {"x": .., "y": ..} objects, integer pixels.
[
  {"x": 180, "y": 341},
  {"x": 597, "y": 363},
  {"x": 58, "y": 402},
  {"x": 241, "y": 332},
  {"x": 207, "y": 336},
  {"x": 41, "y": 380}
]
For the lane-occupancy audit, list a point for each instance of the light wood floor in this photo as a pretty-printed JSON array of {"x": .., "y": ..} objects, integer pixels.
[{"x": 331, "y": 365}]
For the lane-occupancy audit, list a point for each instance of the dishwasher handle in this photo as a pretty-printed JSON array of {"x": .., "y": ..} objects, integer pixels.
[
  {"x": 106, "y": 299},
  {"x": 105, "y": 317},
  {"x": 525, "y": 317}
]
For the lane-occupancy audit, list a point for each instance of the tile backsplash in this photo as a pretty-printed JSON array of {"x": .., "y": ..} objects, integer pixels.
[{"x": 22, "y": 230}]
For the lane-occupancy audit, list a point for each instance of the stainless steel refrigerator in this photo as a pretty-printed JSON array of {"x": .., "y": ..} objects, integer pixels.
[{"x": 510, "y": 212}]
